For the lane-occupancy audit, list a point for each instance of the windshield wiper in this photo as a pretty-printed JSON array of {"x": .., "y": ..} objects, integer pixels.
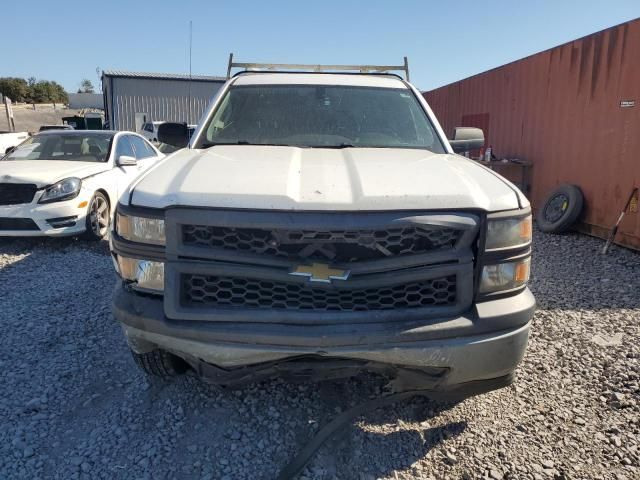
[
  {"x": 213, "y": 144},
  {"x": 244, "y": 142},
  {"x": 340, "y": 145}
]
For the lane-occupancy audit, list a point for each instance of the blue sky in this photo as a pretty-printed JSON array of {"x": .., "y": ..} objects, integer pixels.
[{"x": 444, "y": 40}]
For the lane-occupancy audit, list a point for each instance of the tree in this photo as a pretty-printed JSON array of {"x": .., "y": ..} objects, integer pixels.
[
  {"x": 44, "y": 91},
  {"x": 59, "y": 94},
  {"x": 86, "y": 86},
  {"x": 38, "y": 92},
  {"x": 16, "y": 89},
  {"x": 33, "y": 90}
]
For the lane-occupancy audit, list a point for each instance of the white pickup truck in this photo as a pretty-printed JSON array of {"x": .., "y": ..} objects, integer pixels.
[{"x": 318, "y": 225}]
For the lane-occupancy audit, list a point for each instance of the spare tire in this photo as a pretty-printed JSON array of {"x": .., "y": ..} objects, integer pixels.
[{"x": 561, "y": 209}]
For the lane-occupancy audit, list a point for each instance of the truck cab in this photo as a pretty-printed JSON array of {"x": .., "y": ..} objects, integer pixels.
[{"x": 321, "y": 222}]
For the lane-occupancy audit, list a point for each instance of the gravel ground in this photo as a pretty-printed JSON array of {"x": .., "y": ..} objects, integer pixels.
[{"x": 73, "y": 404}]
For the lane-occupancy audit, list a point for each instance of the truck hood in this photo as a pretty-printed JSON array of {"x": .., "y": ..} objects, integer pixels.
[
  {"x": 291, "y": 178},
  {"x": 47, "y": 172}
]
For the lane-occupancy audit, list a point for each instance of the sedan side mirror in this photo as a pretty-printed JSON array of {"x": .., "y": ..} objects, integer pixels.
[
  {"x": 467, "y": 138},
  {"x": 126, "y": 160},
  {"x": 175, "y": 134}
]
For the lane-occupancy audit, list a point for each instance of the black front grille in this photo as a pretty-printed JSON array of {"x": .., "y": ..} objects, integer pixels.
[
  {"x": 16, "y": 193},
  {"x": 334, "y": 245},
  {"x": 17, "y": 224},
  {"x": 215, "y": 291}
]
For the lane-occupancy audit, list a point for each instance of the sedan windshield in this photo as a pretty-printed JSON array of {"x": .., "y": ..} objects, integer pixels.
[
  {"x": 89, "y": 147},
  {"x": 321, "y": 116}
]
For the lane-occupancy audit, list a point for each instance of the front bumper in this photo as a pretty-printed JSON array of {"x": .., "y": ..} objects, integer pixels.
[
  {"x": 40, "y": 213},
  {"x": 486, "y": 342}
]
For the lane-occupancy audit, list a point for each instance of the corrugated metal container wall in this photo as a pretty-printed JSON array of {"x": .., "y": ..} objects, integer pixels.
[
  {"x": 561, "y": 109},
  {"x": 160, "y": 99}
]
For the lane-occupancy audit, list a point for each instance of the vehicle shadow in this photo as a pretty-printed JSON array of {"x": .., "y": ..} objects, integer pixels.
[
  {"x": 390, "y": 442},
  {"x": 415, "y": 445},
  {"x": 391, "y": 438}
]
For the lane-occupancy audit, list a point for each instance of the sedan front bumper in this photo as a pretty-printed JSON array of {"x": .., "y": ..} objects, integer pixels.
[{"x": 48, "y": 217}]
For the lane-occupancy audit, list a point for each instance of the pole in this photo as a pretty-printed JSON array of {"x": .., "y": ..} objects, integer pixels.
[
  {"x": 229, "y": 65},
  {"x": 614, "y": 230},
  {"x": 9, "y": 111},
  {"x": 190, "y": 44}
]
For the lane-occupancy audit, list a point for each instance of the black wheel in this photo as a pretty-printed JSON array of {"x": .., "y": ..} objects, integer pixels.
[
  {"x": 98, "y": 217},
  {"x": 159, "y": 363},
  {"x": 561, "y": 209}
]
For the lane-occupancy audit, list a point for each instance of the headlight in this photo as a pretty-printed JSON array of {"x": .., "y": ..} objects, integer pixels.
[
  {"x": 508, "y": 233},
  {"x": 63, "y": 190},
  {"x": 504, "y": 276},
  {"x": 140, "y": 229},
  {"x": 146, "y": 275}
]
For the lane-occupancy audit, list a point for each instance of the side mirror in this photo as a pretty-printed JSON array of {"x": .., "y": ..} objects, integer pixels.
[
  {"x": 467, "y": 138},
  {"x": 126, "y": 160},
  {"x": 9, "y": 150},
  {"x": 176, "y": 134}
]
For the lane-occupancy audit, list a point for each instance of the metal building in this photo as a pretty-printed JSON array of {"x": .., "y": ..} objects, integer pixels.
[
  {"x": 573, "y": 111},
  {"x": 133, "y": 98}
]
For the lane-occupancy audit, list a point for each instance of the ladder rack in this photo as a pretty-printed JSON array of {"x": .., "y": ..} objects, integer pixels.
[{"x": 318, "y": 68}]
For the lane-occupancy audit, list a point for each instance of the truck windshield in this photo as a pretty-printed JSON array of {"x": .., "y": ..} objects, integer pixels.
[{"x": 321, "y": 116}]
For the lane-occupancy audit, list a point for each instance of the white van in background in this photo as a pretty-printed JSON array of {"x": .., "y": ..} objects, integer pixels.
[{"x": 149, "y": 131}]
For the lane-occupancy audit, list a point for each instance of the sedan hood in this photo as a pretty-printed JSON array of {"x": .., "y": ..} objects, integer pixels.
[
  {"x": 291, "y": 178},
  {"x": 46, "y": 172}
]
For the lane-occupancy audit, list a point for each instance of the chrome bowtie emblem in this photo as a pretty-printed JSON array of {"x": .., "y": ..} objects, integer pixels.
[{"x": 320, "y": 272}]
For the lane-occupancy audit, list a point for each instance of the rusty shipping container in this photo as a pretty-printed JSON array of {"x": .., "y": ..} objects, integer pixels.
[{"x": 573, "y": 111}]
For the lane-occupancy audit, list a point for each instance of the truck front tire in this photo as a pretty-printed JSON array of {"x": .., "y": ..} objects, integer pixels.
[{"x": 159, "y": 363}]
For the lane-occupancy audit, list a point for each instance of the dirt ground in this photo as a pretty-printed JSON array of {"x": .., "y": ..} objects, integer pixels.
[{"x": 29, "y": 118}]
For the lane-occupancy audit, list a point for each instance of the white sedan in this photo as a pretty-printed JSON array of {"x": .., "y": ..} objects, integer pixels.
[
  {"x": 68, "y": 182},
  {"x": 8, "y": 140}
]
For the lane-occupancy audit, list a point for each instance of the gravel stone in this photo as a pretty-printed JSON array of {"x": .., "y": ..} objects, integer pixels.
[
  {"x": 495, "y": 474},
  {"x": 74, "y": 405}
]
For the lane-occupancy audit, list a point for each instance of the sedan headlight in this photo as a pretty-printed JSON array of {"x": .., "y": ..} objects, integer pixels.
[
  {"x": 63, "y": 190},
  {"x": 145, "y": 275},
  {"x": 140, "y": 229},
  {"x": 508, "y": 233},
  {"x": 505, "y": 276}
]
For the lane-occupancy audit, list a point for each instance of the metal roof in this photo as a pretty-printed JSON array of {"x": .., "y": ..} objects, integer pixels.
[{"x": 162, "y": 76}]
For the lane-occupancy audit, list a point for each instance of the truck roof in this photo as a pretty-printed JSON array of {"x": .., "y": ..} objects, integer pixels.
[{"x": 356, "y": 80}]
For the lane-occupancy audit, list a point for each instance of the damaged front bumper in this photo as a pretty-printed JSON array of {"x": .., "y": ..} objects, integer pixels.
[{"x": 483, "y": 345}]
